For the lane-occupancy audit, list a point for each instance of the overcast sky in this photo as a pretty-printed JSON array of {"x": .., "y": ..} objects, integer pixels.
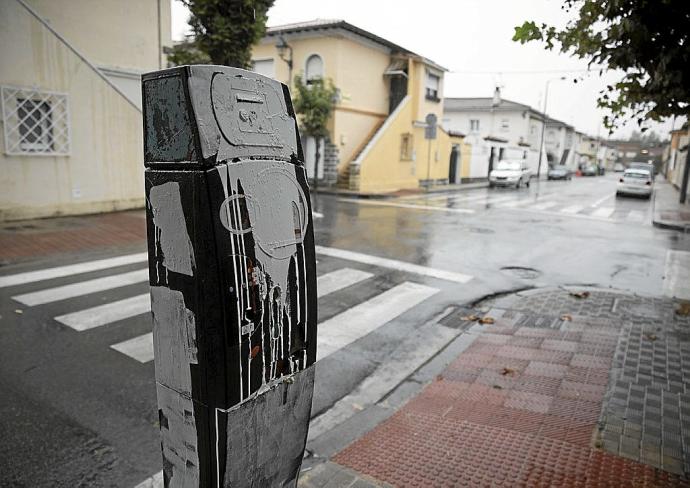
[{"x": 472, "y": 39}]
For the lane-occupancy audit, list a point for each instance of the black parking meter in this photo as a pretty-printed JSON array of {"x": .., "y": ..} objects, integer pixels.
[{"x": 232, "y": 274}]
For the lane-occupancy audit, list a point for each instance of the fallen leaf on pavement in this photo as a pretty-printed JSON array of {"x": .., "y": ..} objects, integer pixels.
[
  {"x": 507, "y": 371},
  {"x": 498, "y": 387},
  {"x": 486, "y": 320},
  {"x": 579, "y": 294},
  {"x": 357, "y": 406},
  {"x": 566, "y": 317},
  {"x": 469, "y": 318},
  {"x": 684, "y": 309},
  {"x": 651, "y": 337}
]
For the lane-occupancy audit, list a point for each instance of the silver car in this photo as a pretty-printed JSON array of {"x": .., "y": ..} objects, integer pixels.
[{"x": 638, "y": 182}]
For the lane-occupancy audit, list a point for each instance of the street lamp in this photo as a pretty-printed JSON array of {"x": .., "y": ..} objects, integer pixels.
[
  {"x": 543, "y": 125},
  {"x": 284, "y": 48}
]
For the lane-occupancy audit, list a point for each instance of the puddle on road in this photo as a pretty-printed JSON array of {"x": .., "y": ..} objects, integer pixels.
[{"x": 521, "y": 272}]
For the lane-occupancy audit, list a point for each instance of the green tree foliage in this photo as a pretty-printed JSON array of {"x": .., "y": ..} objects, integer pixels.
[
  {"x": 314, "y": 104},
  {"x": 646, "y": 40},
  {"x": 224, "y": 32}
]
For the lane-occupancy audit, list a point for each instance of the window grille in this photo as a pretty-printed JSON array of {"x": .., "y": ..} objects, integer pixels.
[{"x": 36, "y": 122}]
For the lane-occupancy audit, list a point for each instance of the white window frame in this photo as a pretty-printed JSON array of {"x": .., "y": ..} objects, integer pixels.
[
  {"x": 474, "y": 128},
  {"x": 55, "y": 122},
  {"x": 431, "y": 92},
  {"x": 307, "y": 78}
]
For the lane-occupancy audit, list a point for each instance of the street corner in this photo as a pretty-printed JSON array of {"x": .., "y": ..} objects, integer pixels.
[{"x": 565, "y": 386}]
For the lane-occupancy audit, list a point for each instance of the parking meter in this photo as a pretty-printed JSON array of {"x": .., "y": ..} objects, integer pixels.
[{"x": 232, "y": 274}]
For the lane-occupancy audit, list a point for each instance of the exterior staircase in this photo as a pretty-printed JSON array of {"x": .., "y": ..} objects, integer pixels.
[{"x": 343, "y": 181}]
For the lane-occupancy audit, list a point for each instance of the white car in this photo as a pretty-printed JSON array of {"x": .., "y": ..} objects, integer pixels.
[
  {"x": 637, "y": 182},
  {"x": 510, "y": 173}
]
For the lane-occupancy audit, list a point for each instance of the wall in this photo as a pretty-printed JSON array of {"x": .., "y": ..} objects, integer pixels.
[
  {"x": 104, "y": 170},
  {"x": 112, "y": 33}
]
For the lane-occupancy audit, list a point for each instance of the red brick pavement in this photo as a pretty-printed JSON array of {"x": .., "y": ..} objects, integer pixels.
[
  {"x": 519, "y": 407},
  {"x": 44, "y": 237}
]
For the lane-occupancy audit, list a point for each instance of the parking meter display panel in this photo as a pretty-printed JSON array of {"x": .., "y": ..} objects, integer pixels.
[{"x": 232, "y": 272}]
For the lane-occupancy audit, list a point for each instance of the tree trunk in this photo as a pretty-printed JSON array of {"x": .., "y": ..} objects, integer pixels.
[
  {"x": 317, "y": 156},
  {"x": 686, "y": 171}
]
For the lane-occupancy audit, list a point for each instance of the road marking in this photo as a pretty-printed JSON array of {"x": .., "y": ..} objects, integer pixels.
[
  {"x": 393, "y": 264},
  {"x": 635, "y": 216},
  {"x": 543, "y": 206},
  {"x": 470, "y": 198},
  {"x": 603, "y": 212},
  {"x": 677, "y": 274},
  {"x": 82, "y": 288},
  {"x": 358, "y": 321},
  {"x": 155, "y": 481},
  {"x": 423, "y": 344},
  {"x": 573, "y": 209},
  {"x": 72, "y": 269},
  {"x": 105, "y": 314},
  {"x": 337, "y": 280},
  {"x": 407, "y": 205},
  {"x": 139, "y": 348},
  {"x": 602, "y": 200},
  {"x": 512, "y": 203}
]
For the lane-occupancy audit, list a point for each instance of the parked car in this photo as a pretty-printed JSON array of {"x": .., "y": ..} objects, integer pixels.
[
  {"x": 590, "y": 170},
  {"x": 618, "y": 168},
  {"x": 559, "y": 173},
  {"x": 638, "y": 182},
  {"x": 510, "y": 173}
]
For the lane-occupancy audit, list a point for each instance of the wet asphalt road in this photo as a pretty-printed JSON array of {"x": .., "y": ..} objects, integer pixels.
[{"x": 78, "y": 413}]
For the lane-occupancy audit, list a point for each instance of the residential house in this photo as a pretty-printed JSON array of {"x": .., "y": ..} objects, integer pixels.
[
  {"x": 559, "y": 143},
  {"x": 386, "y": 92},
  {"x": 587, "y": 150},
  {"x": 638, "y": 152},
  {"x": 496, "y": 129},
  {"x": 71, "y": 103},
  {"x": 677, "y": 155}
]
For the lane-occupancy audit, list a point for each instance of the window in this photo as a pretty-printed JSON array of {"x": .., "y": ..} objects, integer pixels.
[
  {"x": 433, "y": 82},
  {"x": 264, "y": 67},
  {"x": 36, "y": 122},
  {"x": 406, "y": 147},
  {"x": 505, "y": 125},
  {"x": 474, "y": 125},
  {"x": 313, "y": 69}
]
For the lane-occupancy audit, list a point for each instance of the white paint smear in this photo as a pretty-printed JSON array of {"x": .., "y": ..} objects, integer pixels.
[
  {"x": 337, "y": 280},
  {"x": 72, "y": 269},
  {"x": 105, "y": 314},
  {"x": 139, "y": 348},
  {"x": 677, "y": 274},
  {"x": 393, "y": 264},
  {"x": 358, "y": 321},
  {"x": 82, "y": 288}
]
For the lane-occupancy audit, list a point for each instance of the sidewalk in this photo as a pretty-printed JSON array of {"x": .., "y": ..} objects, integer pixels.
[
  {"x": 668, "y": 213},
  {"x": 559, "y": 391},
  {"x": 31, "y": 239}
]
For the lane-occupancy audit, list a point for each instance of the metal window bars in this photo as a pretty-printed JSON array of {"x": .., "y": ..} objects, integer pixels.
[{"x": 36, "y": 122}]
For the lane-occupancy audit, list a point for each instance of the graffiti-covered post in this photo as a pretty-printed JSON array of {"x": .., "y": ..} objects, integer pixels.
[{"x": 232, "y": 273}]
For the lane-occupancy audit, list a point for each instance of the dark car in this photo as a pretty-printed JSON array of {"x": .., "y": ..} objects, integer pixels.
[
  {"x": 590, "y": 170},
  {"x": 559, "y": 173}
]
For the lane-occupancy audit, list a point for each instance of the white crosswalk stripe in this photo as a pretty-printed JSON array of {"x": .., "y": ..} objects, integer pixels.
[
  {"x": 72, "y": 269},
  {"x": 573, "y": 209},
  {"x": 544, "y": 205},
  {"x": 139, "y": 348},
  {"x": 358, "y": 321},
  {"x": 635, "y": 216},
  {"x": 82, "y": 288},
  {"x": 337, "y": 280},
  {"x": 105, "y": 314},
  {"x": 603, "y": 212}
]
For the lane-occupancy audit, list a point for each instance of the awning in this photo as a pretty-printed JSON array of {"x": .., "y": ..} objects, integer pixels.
[{"x": 397, "y": 67}]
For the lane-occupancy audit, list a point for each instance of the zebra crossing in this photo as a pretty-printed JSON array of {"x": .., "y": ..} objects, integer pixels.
[
  {"x": 551, "y": 202},
  {"x": 335, "y": 333}
]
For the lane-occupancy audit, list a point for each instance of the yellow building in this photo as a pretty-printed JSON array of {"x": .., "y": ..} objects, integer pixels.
[
  {"x": 377, "y": 138},
  {"x": 71, "y": 103}
]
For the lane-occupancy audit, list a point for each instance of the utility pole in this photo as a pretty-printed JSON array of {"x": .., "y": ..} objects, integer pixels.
[
  {"x": 232, "y": 272},
  {"x": 543, "y": 125}
]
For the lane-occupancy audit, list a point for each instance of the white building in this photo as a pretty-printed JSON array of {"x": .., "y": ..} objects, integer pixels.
[
  {"x": 497, "y": 129},
  {"x": 559, "y": 143},
  {"x": 71, "y": 103}
]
